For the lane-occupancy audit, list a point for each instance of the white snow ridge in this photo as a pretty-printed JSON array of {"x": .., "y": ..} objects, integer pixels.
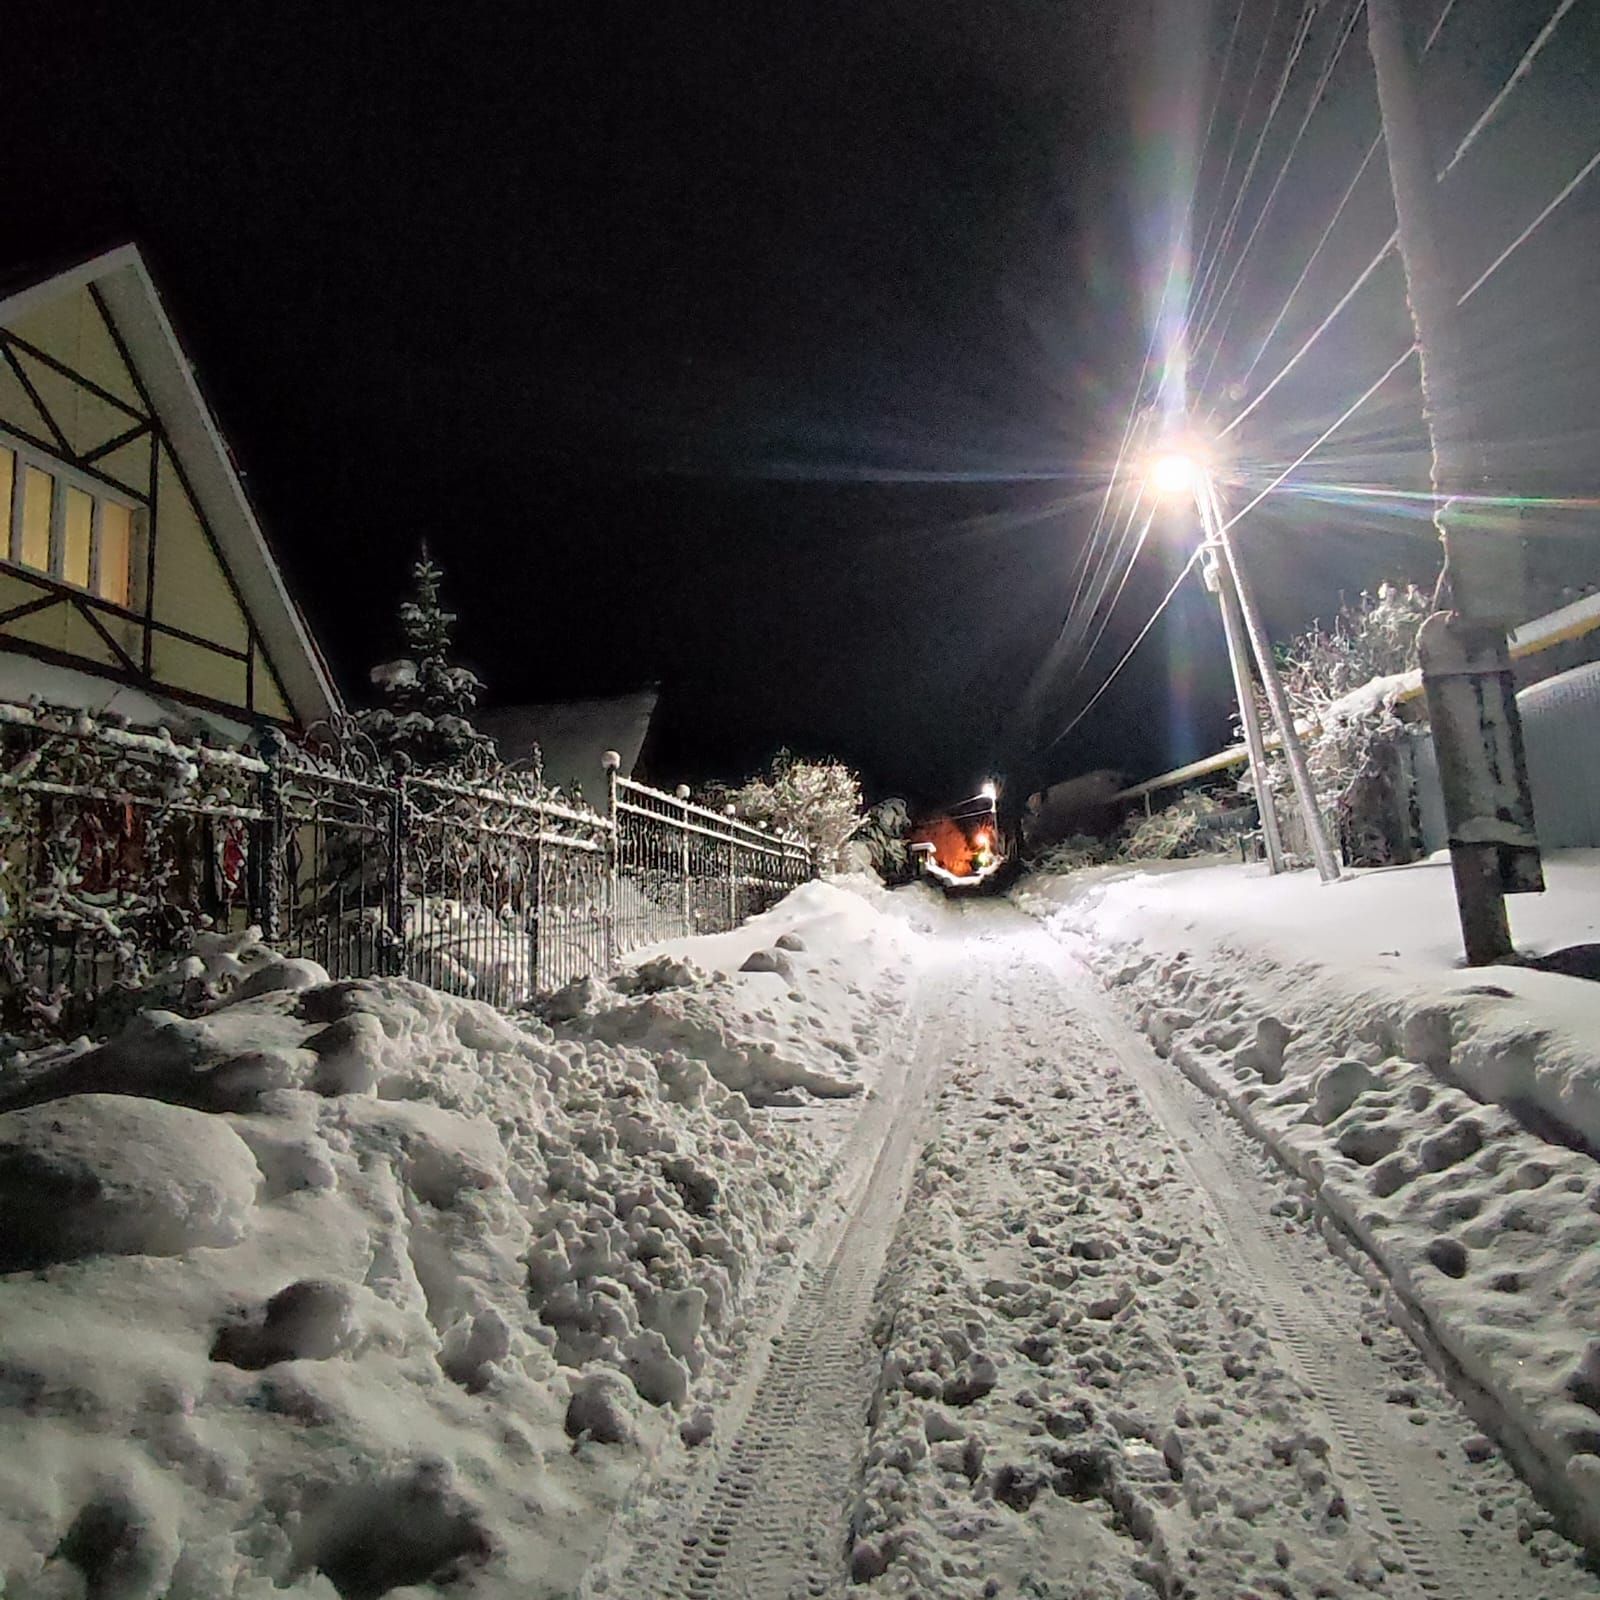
[{"x": 866, "y": 1248}]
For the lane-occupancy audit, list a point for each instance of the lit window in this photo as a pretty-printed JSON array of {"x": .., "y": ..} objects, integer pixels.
[
  {"x": 38, "y": 501},
  {"x": 69, "y": 529},
  {"x": 113, "y": 571},
  {"x": 77, "y": 530}
]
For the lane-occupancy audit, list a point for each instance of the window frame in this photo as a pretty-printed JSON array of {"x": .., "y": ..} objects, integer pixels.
[{"x": 64, "y": 477}]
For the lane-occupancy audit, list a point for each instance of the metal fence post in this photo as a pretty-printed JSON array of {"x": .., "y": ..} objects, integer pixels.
[
  {"x": 268, "y": 909},
  {"x": 394, "y": 913},
  {"x": 536, "y": 899},
  {"x": 682, "y": 794},
  {"x": 611, "y": 761}
]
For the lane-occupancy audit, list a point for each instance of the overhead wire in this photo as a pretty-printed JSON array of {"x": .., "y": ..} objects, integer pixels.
[
  {"x": 1528, "y": 232},
  {"x": 1518, "y": 73},
  {"x": 1324, "y": 78},
  {"x": 1096, "y": 547},
  {"x": 1338, "y": 212},
  {"x": 1282, "y": 476},
  {"x": 1297, "y": 45},
  {"x": 1523, "y": 68},
  {"x": 1238, "y": 129},
  {"x": 1127, "y": 654}
]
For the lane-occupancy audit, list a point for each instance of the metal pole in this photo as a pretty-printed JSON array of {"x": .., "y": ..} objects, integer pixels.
[
  {"x": 1217, "y": 578},
  {"x": 682, "y": 793},
  {"x": 1316, "y": 829},
  {"x": 1466, "y": 665},
  {"x": 611, "y": 761}
]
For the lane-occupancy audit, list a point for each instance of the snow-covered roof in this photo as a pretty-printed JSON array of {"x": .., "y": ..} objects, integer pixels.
[
  {"x": 124, "y": 284},
  {"x": 573, "y": 735},
  {"x": 25, "y": 678}
]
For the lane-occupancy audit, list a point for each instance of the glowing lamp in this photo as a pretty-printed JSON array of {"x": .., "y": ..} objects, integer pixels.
[
  {"x": 1176, "y": 475},
  {"x": 981, "y": 841},
  {"x": 990, "y": 790}
]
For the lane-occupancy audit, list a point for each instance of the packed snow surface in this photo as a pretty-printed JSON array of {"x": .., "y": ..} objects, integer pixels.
[
  {"x": 1447, "y": 1119},
  {"x": 866, "y": 1245},
  {"x": 339, "y": 1289}
]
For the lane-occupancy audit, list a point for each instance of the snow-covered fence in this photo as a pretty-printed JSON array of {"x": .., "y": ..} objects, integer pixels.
[
  {"x": 111, "y": 844},
  {"x": 114, "y": 846},
  {"x": 684, "y": 869}
]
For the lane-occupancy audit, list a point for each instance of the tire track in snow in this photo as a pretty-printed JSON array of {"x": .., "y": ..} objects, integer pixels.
[
  {"x": 770, "y": 1518},
  {"x": 1397, "y": 1467}
]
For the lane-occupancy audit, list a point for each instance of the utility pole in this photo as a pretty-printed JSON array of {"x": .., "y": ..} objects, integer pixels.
[
  {"x": 1466, "y": 664},
  {"x": 1288, "y": 736},
  {"x": 1218, "y": 582}
]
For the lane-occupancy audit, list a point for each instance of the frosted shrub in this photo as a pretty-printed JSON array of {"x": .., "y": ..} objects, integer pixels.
[
  {"x": 1166, "y": 835},
  {"x": 818, "y": 800},
  {"x": 1324, "y": 668}
]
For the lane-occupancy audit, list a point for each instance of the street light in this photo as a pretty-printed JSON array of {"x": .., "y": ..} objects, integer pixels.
[{"x": 1185, "y": 474}]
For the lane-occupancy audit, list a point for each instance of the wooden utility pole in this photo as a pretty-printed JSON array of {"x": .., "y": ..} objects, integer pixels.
[{"x": 1466, "y": 664}]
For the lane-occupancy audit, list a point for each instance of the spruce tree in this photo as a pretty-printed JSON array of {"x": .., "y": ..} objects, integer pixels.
[{"x": 426, "y": 720}]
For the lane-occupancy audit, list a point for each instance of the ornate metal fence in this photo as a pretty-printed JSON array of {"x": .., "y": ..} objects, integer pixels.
[
  {"x": 115, "y": 846},
  {"x": 683, "y": 869},
  {"x": 111, "y": 844}
]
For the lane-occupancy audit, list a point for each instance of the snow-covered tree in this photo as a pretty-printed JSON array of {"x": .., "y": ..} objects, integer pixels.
[
  {"x": 426, "y": 719},
  {"x": 818, "y": 800}
]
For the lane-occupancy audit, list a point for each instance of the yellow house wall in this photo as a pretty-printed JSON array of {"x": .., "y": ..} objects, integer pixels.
[{"x": 191, "y": 590}]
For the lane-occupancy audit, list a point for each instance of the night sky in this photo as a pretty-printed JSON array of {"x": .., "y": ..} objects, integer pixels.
[{"x": 776, "y": 353}]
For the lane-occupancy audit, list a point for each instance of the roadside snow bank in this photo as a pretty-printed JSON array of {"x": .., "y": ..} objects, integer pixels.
[
  {"x": 1440, "y": 1115},
  {"x": 349, "y": 1289}
]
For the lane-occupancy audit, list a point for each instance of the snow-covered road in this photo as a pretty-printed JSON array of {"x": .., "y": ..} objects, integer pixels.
[{"x": 1063, "y": 1331}]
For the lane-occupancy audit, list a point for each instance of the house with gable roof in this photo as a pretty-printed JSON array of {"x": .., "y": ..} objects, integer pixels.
[{"x": 134, "y": 576}]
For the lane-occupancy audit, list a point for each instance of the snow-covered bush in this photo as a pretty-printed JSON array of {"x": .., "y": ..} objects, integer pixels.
[
  {"x": 1072, "y": 855},
  {"x": 1339, "y": 679},
  {"x": 1171, "y": 833},
  {"x": 818, "y": 800},
  {"x": 881, "y": 838},
  {"x": 427, "y": 717}
]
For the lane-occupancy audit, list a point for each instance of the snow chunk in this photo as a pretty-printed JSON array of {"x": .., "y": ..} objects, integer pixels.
[{"x": 108, "y": 1174}]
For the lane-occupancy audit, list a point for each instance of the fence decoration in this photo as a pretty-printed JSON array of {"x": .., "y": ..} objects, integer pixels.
[{"x": 115, "y": 845}]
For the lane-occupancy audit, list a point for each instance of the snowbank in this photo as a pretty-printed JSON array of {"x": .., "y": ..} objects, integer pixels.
[
  {"x": 354, "y": 1289},
  {"x": 1444, "y": 1117}
]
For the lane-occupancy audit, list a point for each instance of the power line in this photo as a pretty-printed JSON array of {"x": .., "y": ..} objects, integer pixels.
[
  {"x": 1528, "y": 232},
  {"x": 1322, "y": 438},
  {"x": 1324, "y": 78},
  {"x": 1321, "y": 328},
  {"x": 1297, "y": 45},
  {"x": 1523, "y": 68},
  {"x": 1127, "y": 655},
  {"x": 1238, "y": 130},
  {"x": 1518, "y": 73},
  {"x": 1333, "y": 221}
]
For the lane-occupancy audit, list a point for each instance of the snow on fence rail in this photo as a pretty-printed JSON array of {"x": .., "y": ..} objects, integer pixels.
[
  {"x": 114, "y": 846},
  {"x": 684, "y": 869}
]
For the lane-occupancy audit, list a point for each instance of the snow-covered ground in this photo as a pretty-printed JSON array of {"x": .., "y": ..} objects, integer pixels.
[
  {"x": 867, "y": 1244},
  {"x": 342, "y": 1288},
  {"x": 1446, "y": 1119}
]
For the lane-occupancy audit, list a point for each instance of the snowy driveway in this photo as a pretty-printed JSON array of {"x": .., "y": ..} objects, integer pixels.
[{"x": 1065, "y": 1333}]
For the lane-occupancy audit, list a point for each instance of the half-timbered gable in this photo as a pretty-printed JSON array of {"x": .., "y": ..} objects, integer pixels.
[{"x": 127, "y": 547}]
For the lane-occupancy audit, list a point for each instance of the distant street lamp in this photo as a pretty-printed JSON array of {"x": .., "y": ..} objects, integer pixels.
[{"x": 1185, "y": 474}]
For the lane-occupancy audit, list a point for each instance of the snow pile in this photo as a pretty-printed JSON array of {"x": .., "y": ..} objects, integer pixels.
[
  {"x": 354, "y": 1289},
  {"x": 1445, "y": 1119},
  {"x": 792, "y": 1004}
]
